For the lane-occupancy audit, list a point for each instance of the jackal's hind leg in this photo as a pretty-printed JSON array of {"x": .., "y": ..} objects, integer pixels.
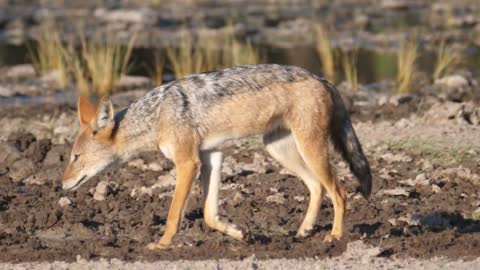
[
  {"x": 281, "y": 146},
  {"x": 313, "y": 147},
  {"x": 210, "y": 177}
]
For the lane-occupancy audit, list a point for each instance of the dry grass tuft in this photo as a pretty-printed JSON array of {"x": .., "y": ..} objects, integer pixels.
[
  {"x": 349, "y": 67},
  {"x": 202, "y": 54},
  {"x": 187, "y": 58},
  {"x": 446, "y": 60},
  {"x": 156, "y": 72},
  {"x": 105, "y": 63},
  {"x": 94, "y": 68},
  {"x": 49, "y": 54},
  {"x": 236, "y": 52},
  {"x": 325, "y": 51},
  {"x": 406, "y": 65}
]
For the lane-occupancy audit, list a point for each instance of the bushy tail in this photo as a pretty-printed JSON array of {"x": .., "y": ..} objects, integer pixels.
[{"x": 346, "y": 142}]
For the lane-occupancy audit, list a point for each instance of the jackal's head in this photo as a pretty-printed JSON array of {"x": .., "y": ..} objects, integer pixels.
[{"x": 94, "y": 147}]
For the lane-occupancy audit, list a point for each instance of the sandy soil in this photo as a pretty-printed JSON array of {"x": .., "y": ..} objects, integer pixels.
[
  {"x": 424, "y": 206},
  {"x": 357, "y": 256}
]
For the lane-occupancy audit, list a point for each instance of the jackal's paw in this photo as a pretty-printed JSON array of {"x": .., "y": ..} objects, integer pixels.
[
  {"x": 331, "y": 237},
  {"x": 305, "y": 233},
  {"x": 156, "y": 246},
  {"x": 235, "y": 232}
]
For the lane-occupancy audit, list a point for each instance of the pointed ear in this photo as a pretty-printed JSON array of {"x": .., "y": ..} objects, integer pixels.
[
  {"x": 86, "y": 110},
  {"x": 104, "y": 121}
]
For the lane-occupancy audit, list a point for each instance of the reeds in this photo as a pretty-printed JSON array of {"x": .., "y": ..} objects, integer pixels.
[
  {"x": 325, "y": 51},
  {"x": 406, "y": 65},
  {"x": 156, "y": 71},
  {"x": 105, "y": 63},
  {"x": 445, "y": 60},
  {"x": 237, "y": 52},
  {"x": 94, "y": 68},
  {"x": 349, "y": 67},
  {"x": 49, "y": 54},
  {"x": 194, "y": 55},
  {"x": 187, "y": 58}
]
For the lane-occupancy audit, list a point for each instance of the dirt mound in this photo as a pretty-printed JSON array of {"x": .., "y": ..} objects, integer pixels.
[{"x": 39, "y": 221}]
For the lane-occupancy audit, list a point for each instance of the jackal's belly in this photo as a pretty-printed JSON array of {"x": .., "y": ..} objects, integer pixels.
[{"x": 222, "y": 134}]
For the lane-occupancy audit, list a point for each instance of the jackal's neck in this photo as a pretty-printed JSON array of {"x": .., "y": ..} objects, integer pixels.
[{"x": 133, "y": 134}]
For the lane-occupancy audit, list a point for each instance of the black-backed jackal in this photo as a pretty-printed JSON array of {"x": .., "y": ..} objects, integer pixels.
[{"x": 189, "y": 119}]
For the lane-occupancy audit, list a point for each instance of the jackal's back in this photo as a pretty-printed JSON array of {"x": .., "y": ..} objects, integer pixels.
[
  {"x": 188, "y": 100},
  {"x": 202, "y": 89}
]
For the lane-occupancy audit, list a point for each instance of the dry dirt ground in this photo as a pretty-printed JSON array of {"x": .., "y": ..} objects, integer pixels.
[{"x": 424, "y": 211}]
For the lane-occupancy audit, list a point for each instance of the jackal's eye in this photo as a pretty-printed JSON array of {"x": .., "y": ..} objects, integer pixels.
[{"x": 75, "y": 157}]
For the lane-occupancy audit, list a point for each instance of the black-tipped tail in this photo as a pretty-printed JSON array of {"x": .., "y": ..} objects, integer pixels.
[{"x": 346, "y": 142}]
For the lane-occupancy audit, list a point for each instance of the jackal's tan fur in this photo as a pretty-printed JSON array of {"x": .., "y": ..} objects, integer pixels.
[{"x": 189, "y": 119}]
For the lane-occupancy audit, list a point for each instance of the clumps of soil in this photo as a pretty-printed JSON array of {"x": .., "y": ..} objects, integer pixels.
[
  {"x": 28, "y": 160},
  {"x": 117, "y": 213}
]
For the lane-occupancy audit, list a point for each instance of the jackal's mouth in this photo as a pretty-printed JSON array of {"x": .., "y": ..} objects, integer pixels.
[{"x": 79, "y": 182}]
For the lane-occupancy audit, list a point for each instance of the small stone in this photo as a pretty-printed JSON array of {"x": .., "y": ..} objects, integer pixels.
[
  {"x": 137, "y": 163},
  {"x": 393, "y": 221},
  {"x": 436, "y": 189},
  {"x": 165, "y": 180},
  {"x": 299, "y": 198},
  {"x": 134, "y": 192},
  {"x": 278, "y": 198},
  {"x": 410, "y": 220},
  {"x": 426, "y": 165},
  {"x": 227, "y": 170},
  {"x": 237, "y": 198},
  {"x": 64, "y": 202},
  {"x": 382, "y": 100},
  {"x": 394, "y": 192},
  {"x": 155, "y": 166},
  {"x": 101, "y": 191},
  {"x": 255, "y": 167},
  {"x": 400, "y": 99},
  {"x": 146, "y": 190},
  {"x": 421, "y": 179},
  {"x": 408, "y": 182},
  {"x": 453, "y": 81},
  {"x": 403, "y": 123}
]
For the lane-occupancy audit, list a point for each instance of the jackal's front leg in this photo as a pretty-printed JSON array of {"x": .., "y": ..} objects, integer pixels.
[{"x": 187, "y": 169}]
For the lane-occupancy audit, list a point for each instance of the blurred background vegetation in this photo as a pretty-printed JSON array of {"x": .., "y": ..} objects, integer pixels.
[{"x": 94, "y": 47}]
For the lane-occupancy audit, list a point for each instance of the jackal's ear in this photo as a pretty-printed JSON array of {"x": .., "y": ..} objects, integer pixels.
[
  {"x": 86, "y": 110},
  {"x": 104, "y": 117}
]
